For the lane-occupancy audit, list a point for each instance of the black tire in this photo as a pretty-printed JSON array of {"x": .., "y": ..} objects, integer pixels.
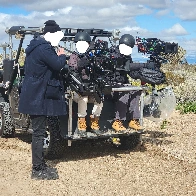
[
  {"x": 7, "y": 128},
  {"x": 129, "y": 142},
  {"x": 54, "y": 144}
]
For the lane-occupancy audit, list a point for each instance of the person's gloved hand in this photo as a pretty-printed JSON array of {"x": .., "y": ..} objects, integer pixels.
[
  {"x": 65, "y": 70},
  {"x": 72, "y": 69}
]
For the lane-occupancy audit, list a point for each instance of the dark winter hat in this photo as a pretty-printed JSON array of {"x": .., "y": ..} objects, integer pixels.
[{"x": 51, "y": 26}]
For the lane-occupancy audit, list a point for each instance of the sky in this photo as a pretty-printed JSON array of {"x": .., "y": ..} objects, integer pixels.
[{"x": 168, "y": 20}]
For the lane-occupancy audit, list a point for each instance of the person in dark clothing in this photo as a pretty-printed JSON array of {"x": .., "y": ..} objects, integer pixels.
[
  {"x": 127, "y": 103},
  {"x": 42, "y": 92},
  {"x": 127, "y": 106}
]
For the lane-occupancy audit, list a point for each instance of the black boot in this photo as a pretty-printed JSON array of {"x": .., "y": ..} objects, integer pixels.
[{"x": 44, "y": 172}]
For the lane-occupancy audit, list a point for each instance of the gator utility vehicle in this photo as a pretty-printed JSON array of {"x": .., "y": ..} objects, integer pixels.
[{"x": 61, "y": 131}]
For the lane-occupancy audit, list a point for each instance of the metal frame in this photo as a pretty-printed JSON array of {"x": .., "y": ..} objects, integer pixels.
[{"x": 127, "y": 87}]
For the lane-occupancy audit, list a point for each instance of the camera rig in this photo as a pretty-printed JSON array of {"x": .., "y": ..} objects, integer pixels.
[
  {"x": 99, "y": 63},
  {"x": 100, "y": 67},
  {"x": 105, "y": 63},
  {"x": 156, "y": 48}
]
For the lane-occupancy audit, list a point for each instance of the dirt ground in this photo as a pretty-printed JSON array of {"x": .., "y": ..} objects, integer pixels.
[{"x": 165, "y": 164}]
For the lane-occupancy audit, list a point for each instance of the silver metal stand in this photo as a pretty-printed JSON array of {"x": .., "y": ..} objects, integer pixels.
[
  {"x": 70, "y": 94},
  {"x": 142, "y": 107}
]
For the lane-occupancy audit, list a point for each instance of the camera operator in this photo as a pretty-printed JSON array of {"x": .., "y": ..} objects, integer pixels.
[
  {"x": 42, "y": 92},
  {"x": 127, "y": 103},
  {"x": 79, "y": 63}
]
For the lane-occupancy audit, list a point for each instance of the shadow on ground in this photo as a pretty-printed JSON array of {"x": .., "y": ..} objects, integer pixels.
[
  {"x": 24, "y": 136},
  {"x": 88, "y": 149},
  {"x": 156, "y": 137}
]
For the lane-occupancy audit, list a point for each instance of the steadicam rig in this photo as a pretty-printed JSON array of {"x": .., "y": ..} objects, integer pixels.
[
  {"x": 100, "y": 63},
  {"x": 98, "y": 67}
]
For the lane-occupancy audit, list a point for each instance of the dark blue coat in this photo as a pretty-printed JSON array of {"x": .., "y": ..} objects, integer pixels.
[{"x": 42, "y": 90}]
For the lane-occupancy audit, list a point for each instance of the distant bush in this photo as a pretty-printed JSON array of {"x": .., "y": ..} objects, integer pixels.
[
  {"x": 183, "y": 80},
  {"x": 180, "y": 75},
  {"x": 14, "y": 53},
  {"x": 188, "y": 107}
]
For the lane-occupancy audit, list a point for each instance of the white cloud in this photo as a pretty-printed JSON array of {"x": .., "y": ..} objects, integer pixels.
[
  {"x": 163, "y": 12},
  {"x": 175, "y": 30},
  {"x": 57, "y": 4},
  {"x": 185, "y": 9},
  {"x": 59, "y": 12},
  {"x": 65, "y": 10},
  {"x": 190, "y": 47},
  {"x": 49, "y": 13},
  {"x": 137, "y": 31},
  {"x": 47, "y": 5},
  {"x": 108, "y": 14}
]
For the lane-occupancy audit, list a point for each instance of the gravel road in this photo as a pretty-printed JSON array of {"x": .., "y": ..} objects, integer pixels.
[{"x": 165, "y": 164}]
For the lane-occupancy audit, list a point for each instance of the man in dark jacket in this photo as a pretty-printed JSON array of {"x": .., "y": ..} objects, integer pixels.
[
  {"x": 42, "y": 92},
  {"x": 127, "y": 103}
]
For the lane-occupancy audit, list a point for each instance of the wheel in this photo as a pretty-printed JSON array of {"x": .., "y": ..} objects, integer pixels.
[
  {"x": 6, "y": 123},
  {"x": 129, "y": 142},
  {"x": 54, "y": 144}
]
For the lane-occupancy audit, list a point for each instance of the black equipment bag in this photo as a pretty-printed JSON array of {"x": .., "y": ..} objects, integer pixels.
[{"x": 150, "y": 76}]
